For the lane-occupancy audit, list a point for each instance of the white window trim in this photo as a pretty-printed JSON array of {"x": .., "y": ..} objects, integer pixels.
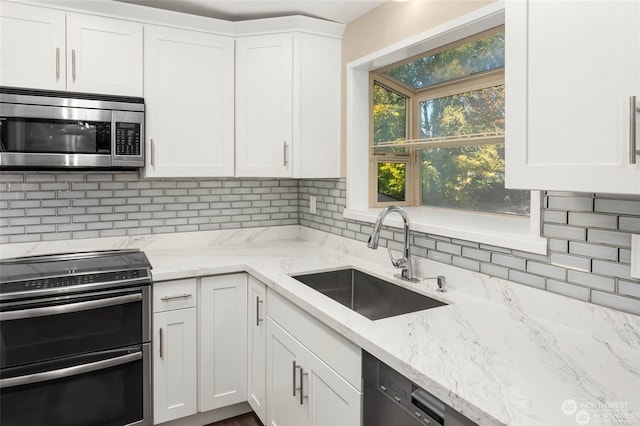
[{"x": 513, "y": 232}]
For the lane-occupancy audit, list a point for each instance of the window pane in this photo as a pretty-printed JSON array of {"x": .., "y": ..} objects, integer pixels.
[
  {"x": 479, "y": 111},
  {"x": 389, "y": 115},
  {"x": 469, "y": 178},
  {"x": 480, "y": 55},
  {"x": 392, "y": 182}
]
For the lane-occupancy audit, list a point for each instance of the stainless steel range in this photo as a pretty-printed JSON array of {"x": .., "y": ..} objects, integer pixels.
[{"x": 75, "y": 339}]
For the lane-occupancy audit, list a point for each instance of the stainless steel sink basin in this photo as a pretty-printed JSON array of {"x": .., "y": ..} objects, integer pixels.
[{"x": 367, "y": 295}]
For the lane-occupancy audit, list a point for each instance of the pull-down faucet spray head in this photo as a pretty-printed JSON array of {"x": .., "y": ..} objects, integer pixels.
[{"x": 405, "y": 261}]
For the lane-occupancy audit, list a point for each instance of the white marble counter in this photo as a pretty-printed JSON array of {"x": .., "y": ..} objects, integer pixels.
[{"x": 500, "y": 353}]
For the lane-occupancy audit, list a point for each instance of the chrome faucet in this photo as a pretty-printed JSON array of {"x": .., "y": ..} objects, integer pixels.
[{"x": 405, "y": 261}]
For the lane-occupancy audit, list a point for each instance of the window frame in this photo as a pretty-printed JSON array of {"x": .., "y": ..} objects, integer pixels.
[
  {"x": 478, "y": 81},
  {"x": 515, "y": 232}
]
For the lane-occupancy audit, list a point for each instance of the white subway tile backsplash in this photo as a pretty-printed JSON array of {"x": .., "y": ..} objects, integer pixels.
[
  {"x": 571, "y": 262},
  {"x": 621, "y": 239},
  {"x": 574, "y": 291},
  {"x": 508, "y": 261},
  {"x": 127, "y": 205},
  {"x": 562, "y": 231},
  {"x": 570, "y": 203},
  {"x": 593, "y": 220},
  {"x": 546, "y": 270},
  {"x": 593, "y": 251},
  {"x": 619, "y": 270},
  {"x": 591, "y": 280},
  {"x": 630, "y": 224},
  {"x": 621, "y": 206},
  {"x": 626, "y": 304},
  {"x": 527, "y": 279}
]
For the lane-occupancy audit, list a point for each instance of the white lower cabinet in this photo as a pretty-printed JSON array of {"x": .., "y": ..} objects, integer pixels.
[
  {"x": 257, "y": 352},
  {"x": 174, "y": 350},
  {"x": 222, "y": 316},
  {"x": 199, "y": 345},
  {"x": 302, "y": 388},
  {"x": 226, "y": 339}
]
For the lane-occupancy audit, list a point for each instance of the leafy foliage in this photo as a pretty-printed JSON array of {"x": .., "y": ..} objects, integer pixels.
[
  {"x": 468, "y": 177},
  {"x": 476, "y": 56},
  {"x": 391, "y": 181}
]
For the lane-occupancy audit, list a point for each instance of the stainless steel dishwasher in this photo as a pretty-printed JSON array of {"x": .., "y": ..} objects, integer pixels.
[{"x": 392, "y": 399}]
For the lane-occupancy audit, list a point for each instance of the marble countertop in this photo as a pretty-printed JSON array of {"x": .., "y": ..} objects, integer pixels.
[{"x": 500, "y": 353}]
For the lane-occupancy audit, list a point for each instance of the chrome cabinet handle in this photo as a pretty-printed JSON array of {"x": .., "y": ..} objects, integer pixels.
[
  {"x": 69, "y": 371},
  {"x": 258, "y": 319},
  {"x": 293, "y": 374},
  {"x": 161, "y": 343},
  {"x": 73, "y": 64},
  {"x": 284, "y": 152},
  {"x": 302, "y": 395},
  {"x": 72, "y": 307},
  {"x": 177, "y": 296},
  {"x": 153, "y": 153},
  {"x": 57, "y": 63},
  {"x": 633, "y": 150}
]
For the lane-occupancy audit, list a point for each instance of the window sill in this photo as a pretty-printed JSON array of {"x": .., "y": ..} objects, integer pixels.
[{"x": 503, "y": 231}]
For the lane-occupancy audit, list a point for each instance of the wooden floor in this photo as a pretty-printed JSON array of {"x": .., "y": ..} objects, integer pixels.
[{"x": 249, "y": 419}]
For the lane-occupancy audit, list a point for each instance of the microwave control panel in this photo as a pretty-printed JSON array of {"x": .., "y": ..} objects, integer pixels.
[{"x": 127, "y": 138}]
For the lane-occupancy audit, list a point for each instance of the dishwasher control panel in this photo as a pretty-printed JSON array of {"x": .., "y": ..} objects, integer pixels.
[{"x": 391, "y": 398}]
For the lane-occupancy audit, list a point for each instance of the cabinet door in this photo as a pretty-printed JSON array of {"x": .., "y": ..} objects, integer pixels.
[
  {"x": 222, "y": 304},
  {"x": 104, "y": 55},
  {"x": 189, "y": 95},
  {"x": 174, "y": 364},
  {"x": 32, "y": 47},
  {"x": 257, "y": 342},
  {"x": 264, "y": 105},
  {"x": 284, "y": 360},
  {"x": 331, "y": 399},
  {"x": 571, "y": 68}
]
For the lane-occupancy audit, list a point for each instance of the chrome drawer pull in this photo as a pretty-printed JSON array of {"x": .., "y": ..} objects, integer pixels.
[
  {"x": 294, "y": 377},
  {"x": 258, "y": 319},
  {"x": 57, "y": 63},
  {"x": 177, "y": 296},
  {"x": 633, "y": 149},
  {"x": 302, "y": 395},
  {"x": 69, "y": 371},
  {"x": 72, "y": 307}
]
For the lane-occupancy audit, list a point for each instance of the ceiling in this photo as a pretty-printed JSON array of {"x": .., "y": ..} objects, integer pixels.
[{"x": 238, "y": 10}]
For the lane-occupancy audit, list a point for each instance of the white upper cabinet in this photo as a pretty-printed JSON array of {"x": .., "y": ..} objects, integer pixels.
[
  {"x": 104, "y": 55},
  {"x": 571, "y": 70},
  {"x": 32, "y": 47},
  {"x": 43, "y": 48},
  {"x": 189, "y": 90},
  {"x": 264, "y": 105},
  {"x": 288, "y": 104}
]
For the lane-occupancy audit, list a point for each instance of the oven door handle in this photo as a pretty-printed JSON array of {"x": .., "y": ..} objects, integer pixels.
[
  {"x": 69, "y": 371},
  {"x": 72, "y": 307}
]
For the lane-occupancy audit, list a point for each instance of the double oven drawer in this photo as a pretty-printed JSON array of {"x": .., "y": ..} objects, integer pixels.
[{"x": 76, "y": 359}]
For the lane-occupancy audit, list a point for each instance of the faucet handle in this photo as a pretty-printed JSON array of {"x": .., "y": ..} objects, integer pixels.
[{"x": 400, "y": 262}]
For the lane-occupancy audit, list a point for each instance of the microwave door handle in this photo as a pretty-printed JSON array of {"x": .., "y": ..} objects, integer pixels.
[
  {"x": 72, "y": 307},
  {"x": 69, "y": 371}
]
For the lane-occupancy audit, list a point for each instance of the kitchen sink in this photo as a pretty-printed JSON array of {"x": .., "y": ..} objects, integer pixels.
[{"x": 369, "y": 296}]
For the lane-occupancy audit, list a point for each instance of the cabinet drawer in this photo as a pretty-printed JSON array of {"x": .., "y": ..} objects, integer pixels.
[
  {"x": 335, "y": 350},
  {"x": 177, "y": 294}
]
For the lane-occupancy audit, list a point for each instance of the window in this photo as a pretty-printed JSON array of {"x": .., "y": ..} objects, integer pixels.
[{"x": 437, "y": 130}]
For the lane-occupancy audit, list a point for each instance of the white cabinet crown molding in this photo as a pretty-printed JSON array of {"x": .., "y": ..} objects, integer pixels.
[{"x": 149, "y": 15}]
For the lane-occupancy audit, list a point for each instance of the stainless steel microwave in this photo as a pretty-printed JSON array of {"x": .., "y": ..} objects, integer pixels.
[{"x": 60, "y": 130}]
